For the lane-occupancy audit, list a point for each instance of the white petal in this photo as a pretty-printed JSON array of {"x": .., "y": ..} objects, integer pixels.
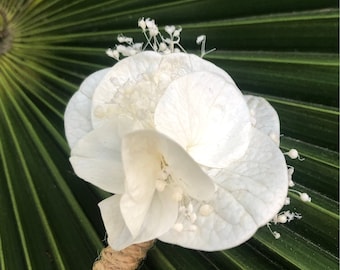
[
  {"x": 77, "y": 117},
  {"x": 265, "y": 117},
  {"x": 207, "y": 116},
  {"x": 250, "y": 192},
  {"x": 161, "y": 216},
  {"x": 135, "y": 84},
  {"x": 262, "y": 174},
  {"x": 142, "y": 153},
  {"x": 134, "y": 212},
  {"x": 184, "y": 169},
  {"x": 159, "y": 219},
  {"x": 146, "y": 223},
  {"x": 119, "y": 236},
  {"x": 141, "y": 159},
  {"x": 127, "y": 85},
  {"x": 176, "y": 65},
  {"x": 96, "y": 158}
]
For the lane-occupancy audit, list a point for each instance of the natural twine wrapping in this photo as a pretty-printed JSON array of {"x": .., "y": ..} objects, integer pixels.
[{"x": 126, "y": 259}]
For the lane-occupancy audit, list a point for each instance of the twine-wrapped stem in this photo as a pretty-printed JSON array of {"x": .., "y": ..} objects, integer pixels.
[{"x": 126, "y": 259}]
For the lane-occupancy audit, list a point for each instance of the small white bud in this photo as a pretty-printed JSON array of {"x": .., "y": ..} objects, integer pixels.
[
  {"x": 153, "y": 31},
  {"x": 200, "y": 39},
  {"x": 113, "y": 53},
  {"x": 169, "y": 29},
  {"x": 282, "y": 218},
  {"x": 287, "y": 201},
  {"x": 138, "y": 46},
  {"x": 177, "y": 32},
  {"x": 305, "y": 197},
  {"x": 121, "y": 38},
  {"x": 150, "y": 23},
  {"x": 121, "y": 49},
  {"x": 276, "y": 235},
  {"x": 141, "y": 23},
  {"x": 193, "y": 217},
  {"x": 160, "y": 185},
  {"x": 162, "y": 47},
  {"x": 290, "y": 215},
  {"x": 190, "y": 208},
  {"x": 206, "y": 210},
  {"x": 293, "y": 153},
  {"x": 177, "y": 195},
  {"x": 178, "y": 227}
]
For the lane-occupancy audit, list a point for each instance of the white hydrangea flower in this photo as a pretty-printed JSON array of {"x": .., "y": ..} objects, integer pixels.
[{"x": 191, "y": 160}]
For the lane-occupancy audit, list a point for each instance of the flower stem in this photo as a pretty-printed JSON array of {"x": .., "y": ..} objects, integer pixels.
[
  {"x": 5, "y": 36},
  {"x": 126, "y": 259}
]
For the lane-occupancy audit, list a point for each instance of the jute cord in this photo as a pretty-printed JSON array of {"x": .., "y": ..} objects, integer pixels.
[{"x": 126, "y": 259}]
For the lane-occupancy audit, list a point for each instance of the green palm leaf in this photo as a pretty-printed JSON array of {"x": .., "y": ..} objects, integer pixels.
[{"x": 285, "y": 51}]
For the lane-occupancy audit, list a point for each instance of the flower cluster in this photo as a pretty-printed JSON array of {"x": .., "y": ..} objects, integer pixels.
[
  {"x": 189, "y": 158},
  {"x": 155, "y": 40},
  {"x": 287, "y": 215}
]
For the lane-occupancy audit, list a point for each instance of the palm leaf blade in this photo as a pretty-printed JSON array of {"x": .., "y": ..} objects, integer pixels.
[{"x": 286, "y": 52}]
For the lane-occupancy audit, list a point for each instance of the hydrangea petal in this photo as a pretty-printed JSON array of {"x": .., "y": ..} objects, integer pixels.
[
  {"x": 264, "y": 117},
  {"x": 262, "y": 174},
  {"x": 207, "y": 116},
  {"x": 96, "y": 158},
  {"x": 77, "y": 118},
  {"x": 143, "y": 152},
  {"x": 250, "y": 192},
  {"x": 159, "y": 219},
  {"x": 226, "y": 227},
  {"x": 135, "y": 84},
  {"x": 176, "y": 65}
]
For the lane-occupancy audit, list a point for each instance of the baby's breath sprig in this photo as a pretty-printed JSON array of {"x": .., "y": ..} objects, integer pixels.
[
  {"x": 154, "y": 40},
  {"x": 201, "y": 40},
  {"x": 288, "y": 216}
]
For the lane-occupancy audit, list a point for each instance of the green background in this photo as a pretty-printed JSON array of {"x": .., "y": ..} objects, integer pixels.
[{"x": 286, "y": 51}]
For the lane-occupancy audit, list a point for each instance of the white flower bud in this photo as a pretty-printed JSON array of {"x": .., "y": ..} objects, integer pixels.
[
  {"x": 276, "y": 235},
  {"x": 287, "y": 201},
  {"x": 200, "y": 39},
  {"x": 282, "y": 218},
  {"x": 206, "y": 210},
  {"x": 169, "y": 29},
  {"x": 293, "y": 153},
  {"x": 142, "y": 24},
  {"x": 178, "y": 227},
  {"x": 177, "y": 32},
  {"x": 305, "y": 197}
]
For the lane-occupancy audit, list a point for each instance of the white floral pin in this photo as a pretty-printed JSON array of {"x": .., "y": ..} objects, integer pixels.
[{"x": 190, "y": 159}]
